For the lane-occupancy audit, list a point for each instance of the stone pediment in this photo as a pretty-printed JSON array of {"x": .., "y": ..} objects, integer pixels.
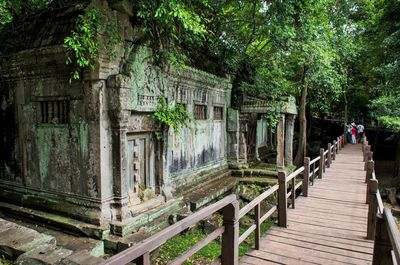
[{"x": 262, "y": 106}]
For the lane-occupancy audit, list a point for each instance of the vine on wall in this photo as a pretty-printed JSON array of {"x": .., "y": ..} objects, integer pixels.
[{"x": 171, "y": 115}]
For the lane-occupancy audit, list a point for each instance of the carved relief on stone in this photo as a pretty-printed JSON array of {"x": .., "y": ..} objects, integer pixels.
[
  {"x": 149, "y": 90},
  {"x": 141, "y": 123}
]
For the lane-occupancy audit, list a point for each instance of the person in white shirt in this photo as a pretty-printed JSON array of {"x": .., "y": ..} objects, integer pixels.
[{"x": 360, "y": 132}]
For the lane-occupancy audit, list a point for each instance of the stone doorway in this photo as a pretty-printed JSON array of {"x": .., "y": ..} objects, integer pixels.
[
  {"x": 141, "y": 175},
  {"x": 251, "y": 138}
]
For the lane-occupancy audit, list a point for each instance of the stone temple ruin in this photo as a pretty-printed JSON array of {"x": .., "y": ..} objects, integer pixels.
[{"x": 83, "y": 155}]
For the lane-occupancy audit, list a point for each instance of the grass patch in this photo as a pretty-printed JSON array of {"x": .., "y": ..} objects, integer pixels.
[{"x": 174, "y": 247}]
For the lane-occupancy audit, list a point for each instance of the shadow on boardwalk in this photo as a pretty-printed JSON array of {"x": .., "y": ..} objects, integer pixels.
[{"x": 327, "y": 227}]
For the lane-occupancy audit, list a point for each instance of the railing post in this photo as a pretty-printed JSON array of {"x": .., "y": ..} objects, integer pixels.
[
  {"x": 363, "y": 147},
  {"x": 328, "y": 163},
  {"x": 369, "y": 158},
  {"x": 257, "y": 234},
  {"x": 343, "y": 140},
  {"x": 382, "y": 244},
  {"x": 334, "y": 150},
  {"x": 370, "y": 169},
  {"x": 230, "y": 237},
  {"x": 366, "y": 150},
  {"x": 306, "y": 176},
  {"x": 282, "y": 200},
  {"x": 338, "y": 145},
  {"x": 372, "y": 208},
  {"x": 143, "y": 260},
  {"x": 321, "y": 162}
]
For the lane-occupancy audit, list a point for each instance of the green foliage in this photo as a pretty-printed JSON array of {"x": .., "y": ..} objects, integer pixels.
[
  {"x": 171, "y": 115},
  {"x": 94, "y": 32},
  {"x": 170, "y": 25},
  {"x": 82, "y": 46},
  {"x": 11, "y": 8},
  {"x": 379, "y": 63},
  {"x": 5, "y": 14}
]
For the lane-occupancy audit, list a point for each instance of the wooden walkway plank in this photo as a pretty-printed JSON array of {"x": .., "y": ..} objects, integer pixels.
[{"x": 327, "y": 227}]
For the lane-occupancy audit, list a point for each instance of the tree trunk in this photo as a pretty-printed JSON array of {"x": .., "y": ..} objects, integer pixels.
[
  {"x": 301, "y": 150},
  {"x": 346, "y": 113}
]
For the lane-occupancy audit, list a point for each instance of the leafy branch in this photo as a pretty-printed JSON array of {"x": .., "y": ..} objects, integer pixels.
[
  {"x": 171, "y": 115},
  {"x": 84, "y": 44}
]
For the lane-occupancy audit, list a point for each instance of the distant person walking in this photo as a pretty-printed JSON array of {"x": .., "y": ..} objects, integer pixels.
[
  {"x": 348, "y": 132},
  {"x": 353, "y": 133},
  {"x": 360, "y": 132}
]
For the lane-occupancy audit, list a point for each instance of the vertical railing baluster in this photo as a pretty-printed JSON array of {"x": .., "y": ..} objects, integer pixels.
[
  {"x": 313, "y": 174},
  {"x": 282, "y": 200},
  {"x": 321, "y": 162},
  {"x": 257, "y": 234},
  {"x": 328, "y": 163},
  {"x": 293, "y": 192},
  {"x": 334, "y": 150},
  {"x": 306, "y": 176},
  {"x": 143, "y": 260}
]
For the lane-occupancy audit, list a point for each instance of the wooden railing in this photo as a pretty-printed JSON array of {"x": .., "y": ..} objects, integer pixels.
[
  {"x": 381, "y": 226},
  {"x": 140, "y": 253}
]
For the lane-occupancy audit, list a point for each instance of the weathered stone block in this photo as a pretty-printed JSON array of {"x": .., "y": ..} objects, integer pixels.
[{"x": 44, "y": 255}]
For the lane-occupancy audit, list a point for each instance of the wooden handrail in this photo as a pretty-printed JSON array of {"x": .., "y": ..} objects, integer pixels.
[
  {"x": 156, "y": 240},
  {"x": 381, "y": 226},
  {"x": 295, "y": 173},
  {"x": 315, "y": 160},
  {"x": 229, "y": 205}
]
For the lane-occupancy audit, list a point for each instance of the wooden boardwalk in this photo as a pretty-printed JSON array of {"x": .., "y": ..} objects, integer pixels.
[{"x": 327, "y": 227}]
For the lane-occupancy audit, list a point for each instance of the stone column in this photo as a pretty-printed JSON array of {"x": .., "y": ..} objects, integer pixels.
[
  {"x": 119, "y": 123},
  {"x": 289, "y": 132},
  {"x": 280, "y": 143}
]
